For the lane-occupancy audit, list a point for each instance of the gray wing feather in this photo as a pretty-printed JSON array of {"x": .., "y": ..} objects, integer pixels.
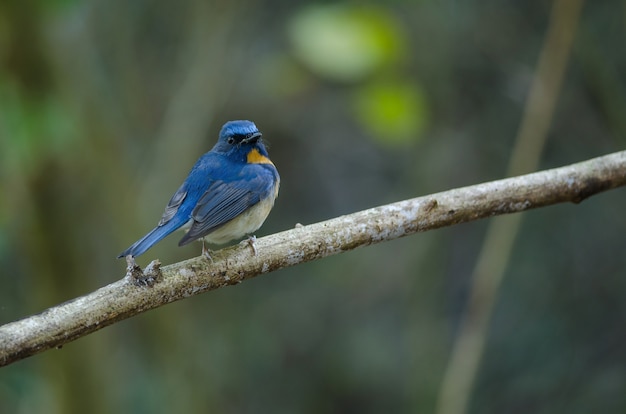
[{"x": 173, "y": 205}]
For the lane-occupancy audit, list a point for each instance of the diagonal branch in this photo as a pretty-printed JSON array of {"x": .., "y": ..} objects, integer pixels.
[
  {"x": 489, "y": 271},
  {"x": 124, "y": 298}
]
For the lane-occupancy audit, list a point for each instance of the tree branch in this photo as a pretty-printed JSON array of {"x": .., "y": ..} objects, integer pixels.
[
  {"x": 490, "y": 267},
  {"x": 122, "y": 299}
]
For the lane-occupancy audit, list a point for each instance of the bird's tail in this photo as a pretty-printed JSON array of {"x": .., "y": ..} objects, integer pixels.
[{"x": 147, "y": 241}]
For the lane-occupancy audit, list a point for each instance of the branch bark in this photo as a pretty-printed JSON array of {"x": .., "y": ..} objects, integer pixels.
[
  {"x": 490, "y": 268},
  {"x": 122, "y": 299}
]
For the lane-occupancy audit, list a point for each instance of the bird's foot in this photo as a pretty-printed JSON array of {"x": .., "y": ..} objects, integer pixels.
[{"x": 206, "y": 252}]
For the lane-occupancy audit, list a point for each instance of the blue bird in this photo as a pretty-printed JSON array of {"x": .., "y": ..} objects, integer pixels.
[{"x": 228, "y": 193}]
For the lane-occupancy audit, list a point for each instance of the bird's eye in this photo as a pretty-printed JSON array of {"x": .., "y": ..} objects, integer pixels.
[{"x": 231, "y": 140}]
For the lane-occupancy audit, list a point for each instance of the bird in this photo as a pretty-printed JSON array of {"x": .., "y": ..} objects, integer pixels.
[{"x": 227, "y": 195}]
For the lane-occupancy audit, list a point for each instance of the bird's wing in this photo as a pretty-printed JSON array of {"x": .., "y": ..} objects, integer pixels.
[
  {"x": 166, "y": 225},
  {"x": 173, "y": 205},
  {"x": 223, "y": 201}
]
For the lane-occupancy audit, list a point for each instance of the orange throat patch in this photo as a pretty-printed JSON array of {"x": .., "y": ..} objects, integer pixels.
[{"x": 255, "y": 157}]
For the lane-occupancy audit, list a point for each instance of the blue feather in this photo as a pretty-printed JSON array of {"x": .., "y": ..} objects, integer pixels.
[{"x": 221, "y": 186}]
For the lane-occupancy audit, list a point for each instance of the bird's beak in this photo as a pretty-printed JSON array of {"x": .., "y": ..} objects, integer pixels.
[{"x": 252, "y": 137}]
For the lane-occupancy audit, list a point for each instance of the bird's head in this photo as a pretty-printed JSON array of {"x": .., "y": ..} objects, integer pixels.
[
  {"x": 237, "y": 133},
  {"x": 240, "y": 137}
]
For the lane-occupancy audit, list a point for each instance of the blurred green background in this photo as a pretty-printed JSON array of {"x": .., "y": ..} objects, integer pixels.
[{"x": 105, "y": 105}]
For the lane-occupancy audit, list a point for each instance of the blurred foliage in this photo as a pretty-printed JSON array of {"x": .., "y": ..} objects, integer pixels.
[
  {"x": 353, "y": 44},
  {"x": 394, "y": 112},
  {"x": 345, "y": 42},
  {"x": 105, "y": 105}
]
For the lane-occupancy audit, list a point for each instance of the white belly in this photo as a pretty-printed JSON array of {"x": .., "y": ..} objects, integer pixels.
[
  {"x": 242, "y": 225},
  {"x": 246, "y": 223}
]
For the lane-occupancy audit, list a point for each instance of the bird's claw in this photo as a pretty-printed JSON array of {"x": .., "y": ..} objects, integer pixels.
[{"x": 206, "y": 252}]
